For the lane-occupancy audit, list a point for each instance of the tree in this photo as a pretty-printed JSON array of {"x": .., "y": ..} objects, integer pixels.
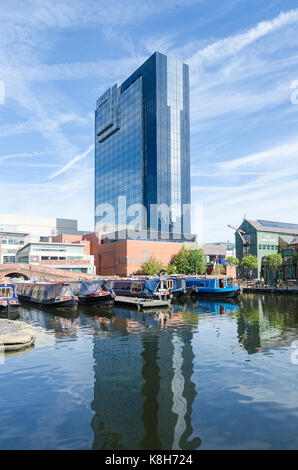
[
  {"x": 274, "y": 261},
  {"x": 219, "y": 269},
  {"x": 232, "y": 260},
  {"x": 171, "y": 269},
  {"x": 250, "y": 263},
  {"x": 152, "y": 266},
  {"x": 295, "y": 259},
  {"x": 189, "y": 261},
  {"x": 180, "y": 262}
]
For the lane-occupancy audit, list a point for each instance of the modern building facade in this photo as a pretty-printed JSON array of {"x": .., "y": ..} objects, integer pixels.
[
  {"x": 261, "y": 238},
  {"x": 65, "y": 256},
  {"x": 17, "y": 230},
  {"x": 142, "y": 150}
]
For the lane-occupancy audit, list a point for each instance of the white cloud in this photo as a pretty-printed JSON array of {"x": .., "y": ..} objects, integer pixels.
[
  {"x": 76, "y": 159},
  {"x": 234, "y": 44},
  {"x": 20, "y": 155},
  {"x": 279, "y": 153}
]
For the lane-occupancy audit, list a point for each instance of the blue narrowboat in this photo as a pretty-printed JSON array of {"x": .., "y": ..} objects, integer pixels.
[
  {"x": 211, "y": 287},
  {"x": 145, "y": 288},
  {"x": 176, "y": 286},
  {"x": 8, "y": 297},
  {"x": 95, "y": 292},
  {"x": 54, "y": 295}
]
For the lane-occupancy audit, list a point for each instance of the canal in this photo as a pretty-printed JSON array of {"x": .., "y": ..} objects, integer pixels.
[{"x": 205, "y": 375}]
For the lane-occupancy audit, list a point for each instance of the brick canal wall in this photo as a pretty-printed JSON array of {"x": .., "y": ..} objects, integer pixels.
[{"x": 30, "y": 270}]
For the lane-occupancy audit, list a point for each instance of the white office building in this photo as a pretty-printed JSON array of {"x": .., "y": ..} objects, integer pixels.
[
  {"x": 65, "y": 256},
  {"x": 18, "y": 230}
]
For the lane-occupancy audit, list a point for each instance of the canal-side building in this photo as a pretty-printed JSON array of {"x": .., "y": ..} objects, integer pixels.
[
  {"x": 230, "y": 249},
  {"x": 288, "y": 248},
  {"x": 64, "y": 256},
  {"x": 142, "y": 149},
  {"x": 260, "y": 238},
  {"x": 18, "y": 230}
]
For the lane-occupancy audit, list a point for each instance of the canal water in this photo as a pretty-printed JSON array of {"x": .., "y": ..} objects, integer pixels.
[{"x": 204, "y": 375}]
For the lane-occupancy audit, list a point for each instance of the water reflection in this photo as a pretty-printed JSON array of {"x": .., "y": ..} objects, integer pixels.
[
  {"x": 150, "y": 407},
  {"x": 267, "y": 322},
  {"x": 161, "y": 380}
]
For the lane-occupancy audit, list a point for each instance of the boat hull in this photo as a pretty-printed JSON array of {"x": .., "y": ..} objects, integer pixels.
[
  {"x": 6, "y": 308},
  {"x": 218, "y": 293},
  {"x": 98, "y": 300},
  {"x": 62, "y": 304}
]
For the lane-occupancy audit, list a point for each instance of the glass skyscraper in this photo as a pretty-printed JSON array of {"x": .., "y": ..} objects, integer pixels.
[{"x": 142, "y": 148}]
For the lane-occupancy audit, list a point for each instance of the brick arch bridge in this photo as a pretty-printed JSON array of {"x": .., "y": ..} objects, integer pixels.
[{"x": 40, "y": 272}]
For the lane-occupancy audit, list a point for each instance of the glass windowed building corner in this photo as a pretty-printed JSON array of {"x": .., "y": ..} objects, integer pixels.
[{"x": 142, "y": 150}]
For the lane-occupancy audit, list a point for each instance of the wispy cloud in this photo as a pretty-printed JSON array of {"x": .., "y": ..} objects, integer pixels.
[
  {"x": 279, "y": 153},
  {"x": 76, "y": 159},
  {"x": 234, "y": 44},
  {"x": 20, "y": 155}
]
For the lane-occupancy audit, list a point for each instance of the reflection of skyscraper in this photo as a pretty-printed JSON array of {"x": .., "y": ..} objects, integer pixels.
[{"x": 143, "y": 393}]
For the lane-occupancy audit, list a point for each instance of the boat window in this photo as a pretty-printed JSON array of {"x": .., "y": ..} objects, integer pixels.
[
  {"x": 6, "y": 292},
  {"x": 89, "y": 287},
  {"x": 221, "y": 283},
  {"x": 137, "y": 287},
  {"x": 170, "y": 283},
  {"x": 41, "y": 293},
  {"x": 54, "y": 291},
  {"x": 35, "y": 292},
  {"x": 65, "y": 291}
]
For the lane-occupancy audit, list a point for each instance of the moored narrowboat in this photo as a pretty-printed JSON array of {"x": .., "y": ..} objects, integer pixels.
[
  {"x": 145, "y": 288},
  {"x": 95, "y": 292},
  {"x": 8, "y": 297},
  {"x": 176, "y": 286},
  {"x": 54, "y": 295},
  {"x": 211, "y": 287}
]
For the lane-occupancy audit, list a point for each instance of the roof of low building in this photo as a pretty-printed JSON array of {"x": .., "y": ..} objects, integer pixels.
[
  {"x": 214, "y": 249},
  {"x": 270, "y": 226}
]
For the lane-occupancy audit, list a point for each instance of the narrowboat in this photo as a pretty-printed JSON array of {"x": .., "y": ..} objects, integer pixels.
[
  {"x": 95, "y": 292},
  {"x": 145, "y": 288},
  {"x": 176, "y": 286},
  {"x": 8, "y": 297},
  {"x": 211, "y": 287},
  {"x": 54, "y": 295}
]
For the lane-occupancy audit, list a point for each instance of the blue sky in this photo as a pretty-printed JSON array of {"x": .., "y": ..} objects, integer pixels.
[{"x": 58, "y": 57}]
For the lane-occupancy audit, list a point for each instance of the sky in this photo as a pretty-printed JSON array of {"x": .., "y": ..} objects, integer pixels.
[{"x": 58, "y": 57}]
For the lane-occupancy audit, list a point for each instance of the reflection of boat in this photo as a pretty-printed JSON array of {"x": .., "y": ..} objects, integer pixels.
[
  {"x": 96, "y": 310},
  {"x": 8, "y": 298},
  {"x": 145, "y": 288},
  {"x": 97, "y": 292},
  {"x": 211, "y": 287},
  {"x": 208, "y": 306},
  {"x": 49, "y": 295}
]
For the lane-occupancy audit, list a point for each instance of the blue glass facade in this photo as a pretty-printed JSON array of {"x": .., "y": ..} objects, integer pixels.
[{"x": 142, "y": 144}]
